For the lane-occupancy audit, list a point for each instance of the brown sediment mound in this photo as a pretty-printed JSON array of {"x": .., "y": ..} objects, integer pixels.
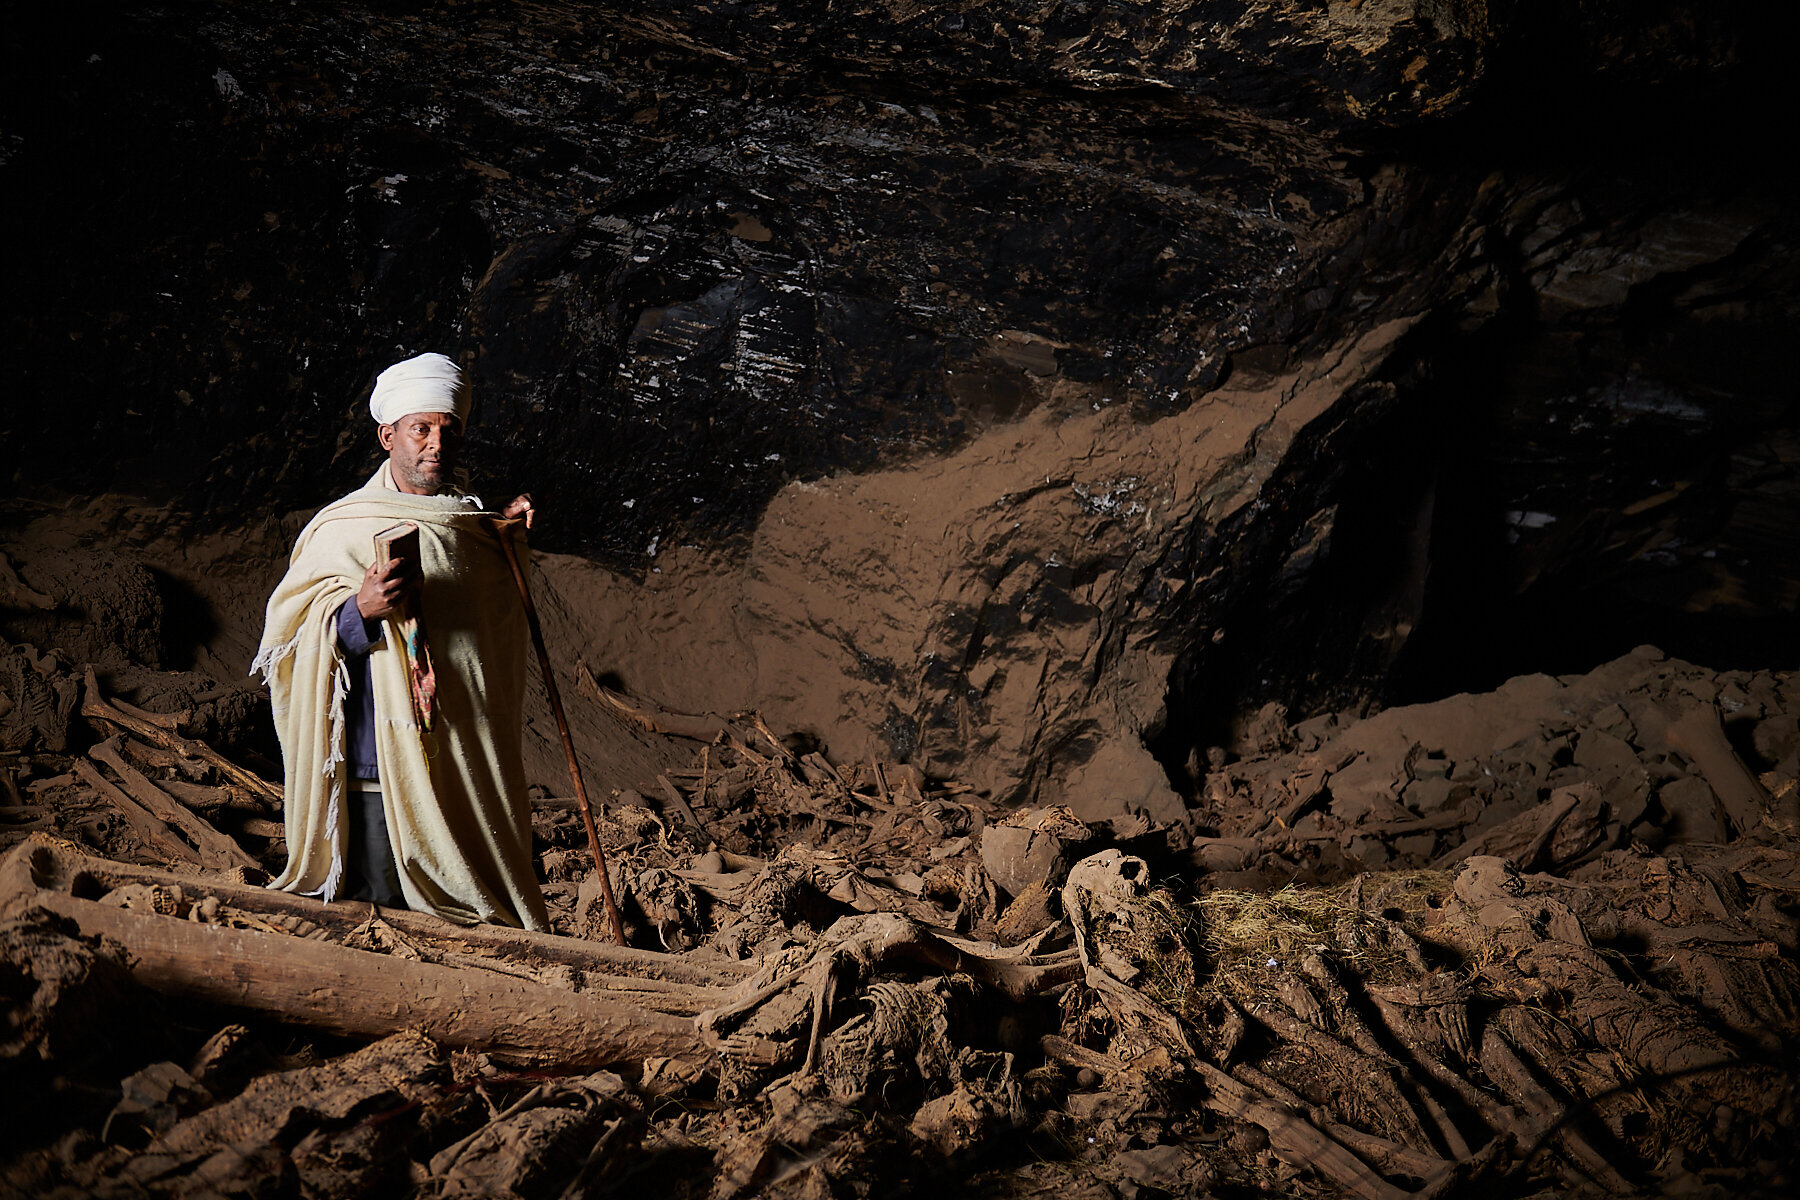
[
  {"x": 1542, "y": 938},
  {"x": 990, "y": 614},
  {"x": 1546, "y": 772}
]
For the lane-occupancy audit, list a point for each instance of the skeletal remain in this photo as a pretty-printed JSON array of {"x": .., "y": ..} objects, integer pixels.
[
  {"x": 1434, "y": 1010},
  {"x": 1109, "y": 879},
  {"x": 1105, "y": 884},
  {"x": 906, "y": 1027},
  {"x": 668, "y": 904}
]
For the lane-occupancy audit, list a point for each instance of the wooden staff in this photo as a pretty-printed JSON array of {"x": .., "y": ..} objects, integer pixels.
[{"x": 502, "y": 530}]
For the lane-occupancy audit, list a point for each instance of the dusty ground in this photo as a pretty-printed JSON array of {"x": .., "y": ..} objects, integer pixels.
[{"x": 1536, "y": 941}]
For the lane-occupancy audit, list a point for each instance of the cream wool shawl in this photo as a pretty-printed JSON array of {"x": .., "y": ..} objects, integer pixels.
[{"x": 455, "y": 799}]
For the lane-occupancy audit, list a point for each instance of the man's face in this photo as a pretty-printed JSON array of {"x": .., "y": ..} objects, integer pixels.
[{"x": 422, "y": 450}]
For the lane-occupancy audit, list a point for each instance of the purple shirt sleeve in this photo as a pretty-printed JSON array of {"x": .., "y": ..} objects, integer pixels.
[
  {"x": 359, "y": 705},
  {"x": 355, "y": 634}
]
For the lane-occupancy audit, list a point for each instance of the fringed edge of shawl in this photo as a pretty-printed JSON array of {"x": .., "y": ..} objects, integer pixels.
[
  {"x": 333, "y": 770},
  {"x": 334, "y": 763},
  {"x": 271, "y": 657}
]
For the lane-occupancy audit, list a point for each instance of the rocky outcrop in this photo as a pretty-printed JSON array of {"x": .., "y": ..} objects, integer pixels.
[
  {"x": 1364, "y": 60},
  {"x": 991, "y": 615}
]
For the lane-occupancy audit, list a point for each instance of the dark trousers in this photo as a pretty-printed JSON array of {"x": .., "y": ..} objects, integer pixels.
[{"x": 369, "y": 869}]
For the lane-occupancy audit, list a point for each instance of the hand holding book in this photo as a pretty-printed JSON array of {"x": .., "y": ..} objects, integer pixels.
[
  {"x": 393, "y": 578},
  {"x": 393, "y": 583}
]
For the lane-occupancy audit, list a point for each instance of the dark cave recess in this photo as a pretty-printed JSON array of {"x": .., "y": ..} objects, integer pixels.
[
  {"x": 1551, "y": 485},
  {"x": 1526, "y": 499}
]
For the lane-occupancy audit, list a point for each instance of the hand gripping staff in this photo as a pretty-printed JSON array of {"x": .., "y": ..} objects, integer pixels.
[{"x": 503, "y": 530}]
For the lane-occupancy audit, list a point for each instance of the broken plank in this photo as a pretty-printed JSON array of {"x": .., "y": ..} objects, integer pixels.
[
  {"x": 150, "y": 829},
  {"x": 216, "y": 849},
  {"x": 169, "y": 721},
  {"x": 264, "y": 828},
  {"x": 95, "y": 707},
  {"x": 201, "y": 796},
  {"x": 680, "y": 802}
]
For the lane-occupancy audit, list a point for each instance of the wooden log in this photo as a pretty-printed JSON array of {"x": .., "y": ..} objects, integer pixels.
[
  {"x": 264, "y": 828},
  {"x": 156, "y": 756},
  {"x": 215, "y": 849},
  {"x": 362, "y": 994},
  {"x": 44, "y": 864}
]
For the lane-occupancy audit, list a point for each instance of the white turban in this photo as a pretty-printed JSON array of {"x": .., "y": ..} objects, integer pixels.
[{"x": 427, "y": 383}]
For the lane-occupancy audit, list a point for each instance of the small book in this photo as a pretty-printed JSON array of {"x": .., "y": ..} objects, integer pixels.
[
  {"x": 398, "y": 541},
  {"x": 402, "y": 541}
]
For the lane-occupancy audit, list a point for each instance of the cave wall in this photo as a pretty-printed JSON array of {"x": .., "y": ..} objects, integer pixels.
[{"x": 1015, "y": 389}]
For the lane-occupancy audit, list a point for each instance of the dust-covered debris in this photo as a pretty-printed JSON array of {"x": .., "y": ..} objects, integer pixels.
[
  {"x": 1548, "y": 773},
  {"x": 1477, "y": 944}
]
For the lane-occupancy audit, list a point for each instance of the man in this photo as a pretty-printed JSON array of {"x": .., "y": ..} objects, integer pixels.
[{"x": 398, "y": 686}]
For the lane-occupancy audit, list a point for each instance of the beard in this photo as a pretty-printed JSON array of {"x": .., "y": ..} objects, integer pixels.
[{"x": 431, "y": 477}]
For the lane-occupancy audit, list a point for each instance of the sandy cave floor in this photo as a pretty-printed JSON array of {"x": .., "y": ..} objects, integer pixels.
[{"x": 1539, "y": 940}]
